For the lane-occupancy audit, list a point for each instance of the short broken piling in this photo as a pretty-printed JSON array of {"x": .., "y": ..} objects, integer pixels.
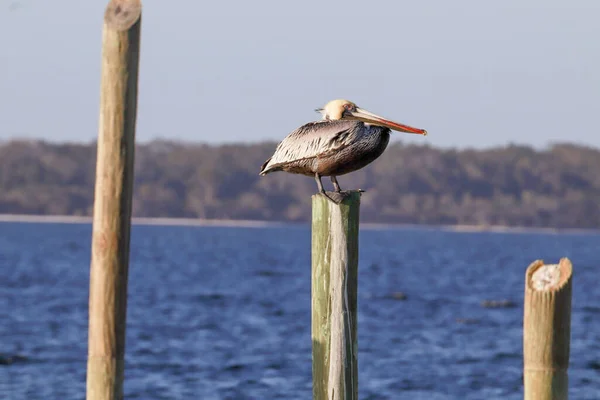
[{"x": 547, "y": 330}]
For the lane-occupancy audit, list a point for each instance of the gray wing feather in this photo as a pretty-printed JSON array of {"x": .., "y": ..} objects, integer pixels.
[{"x": 313, "y": 140}]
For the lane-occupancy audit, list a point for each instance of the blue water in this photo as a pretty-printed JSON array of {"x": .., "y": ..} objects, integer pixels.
[{"x": 224, "y": 313}]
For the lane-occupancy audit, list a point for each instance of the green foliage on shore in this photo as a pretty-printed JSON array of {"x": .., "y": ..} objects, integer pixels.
[{"x": 514, "y": 185}]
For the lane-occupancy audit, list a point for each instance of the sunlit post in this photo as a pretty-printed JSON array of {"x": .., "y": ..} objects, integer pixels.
[
  {"x": 112, "y": 200},
  {"x": 334, "y": 297}
]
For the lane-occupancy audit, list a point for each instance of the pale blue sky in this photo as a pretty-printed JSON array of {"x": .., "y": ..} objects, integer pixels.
[{"x": 473, "y": 73}]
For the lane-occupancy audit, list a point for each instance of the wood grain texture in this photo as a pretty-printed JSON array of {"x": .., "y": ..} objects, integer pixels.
[
  {"x": 547, "y": 330},
  {"x": 334, "y": 297},
  {"x": 112, "y": 200}
]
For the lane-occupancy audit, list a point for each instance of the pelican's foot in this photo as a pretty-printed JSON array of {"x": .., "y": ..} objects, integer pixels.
[{"x": 338, "y": 197}]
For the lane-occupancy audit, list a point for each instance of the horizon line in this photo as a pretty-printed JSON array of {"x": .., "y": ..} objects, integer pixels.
[{"x": 546, "y": 146}]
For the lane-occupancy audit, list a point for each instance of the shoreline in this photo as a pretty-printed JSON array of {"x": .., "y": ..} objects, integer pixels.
[
  {"x": 159, "y": 221},
  {"x": 164, "y": 221}
]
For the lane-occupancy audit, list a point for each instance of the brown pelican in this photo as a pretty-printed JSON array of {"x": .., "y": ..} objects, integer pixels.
[{"x": 345, "y": 140}]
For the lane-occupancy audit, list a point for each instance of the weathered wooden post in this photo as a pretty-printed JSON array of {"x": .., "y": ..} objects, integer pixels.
[
  {"x": 334, "y": 297},
  {"x": 112, "y": 200},
  {"x": 547, "y": 330}
]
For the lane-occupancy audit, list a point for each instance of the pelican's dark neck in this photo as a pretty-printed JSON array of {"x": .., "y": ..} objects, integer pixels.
[{"x": 375, "y": 128}]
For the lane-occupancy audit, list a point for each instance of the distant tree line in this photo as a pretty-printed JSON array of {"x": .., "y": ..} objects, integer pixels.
[{"x": 513, "y": 185}]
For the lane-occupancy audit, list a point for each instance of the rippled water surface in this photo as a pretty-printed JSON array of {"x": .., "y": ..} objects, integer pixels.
[{"x": 224, "y": 313}]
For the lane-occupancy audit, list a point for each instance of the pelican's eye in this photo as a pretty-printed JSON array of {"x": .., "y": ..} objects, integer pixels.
[{"x": 348, "y": 108}]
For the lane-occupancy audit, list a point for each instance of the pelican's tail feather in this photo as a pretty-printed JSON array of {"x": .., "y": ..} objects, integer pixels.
[{"x": 263, "y": 169}]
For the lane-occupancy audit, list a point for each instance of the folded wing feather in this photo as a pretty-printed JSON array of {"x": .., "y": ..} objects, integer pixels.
[{"x": 313, "y": 140}]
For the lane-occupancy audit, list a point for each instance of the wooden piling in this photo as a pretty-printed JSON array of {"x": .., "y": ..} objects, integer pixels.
[
  {"x": 112, "y": 200},
  {"x": 547, "y": 330},
  {"x": 334, "y": 297}
]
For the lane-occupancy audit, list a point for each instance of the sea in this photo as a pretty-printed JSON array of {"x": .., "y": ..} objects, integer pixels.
[{"x": 224, "y": 312}]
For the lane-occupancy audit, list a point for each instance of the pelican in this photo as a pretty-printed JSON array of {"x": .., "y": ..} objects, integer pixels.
[{"x": 345, "y": 140}]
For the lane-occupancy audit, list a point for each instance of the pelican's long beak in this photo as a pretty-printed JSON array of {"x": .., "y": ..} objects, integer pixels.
[{"x": 368, "y": 117}]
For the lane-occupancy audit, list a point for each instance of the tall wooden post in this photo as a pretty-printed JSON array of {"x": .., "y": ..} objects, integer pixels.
[
  {"x": 334, "y": 297},
  {"x": 112, "y": 201},
  {"x": 547, "y": 330}
]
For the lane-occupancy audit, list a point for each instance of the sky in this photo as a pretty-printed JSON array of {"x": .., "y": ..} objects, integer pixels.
[{"x": 475, "y": 74}]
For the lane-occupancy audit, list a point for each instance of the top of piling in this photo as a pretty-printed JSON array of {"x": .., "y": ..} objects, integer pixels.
[
  {"x": 346, "y": 197},
  {"x": 548, "y": 277},
  {"x": 121, "y": 15}
]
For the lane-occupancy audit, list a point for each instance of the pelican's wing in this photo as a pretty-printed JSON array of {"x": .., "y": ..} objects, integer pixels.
[{"x": 312, "y": 140}]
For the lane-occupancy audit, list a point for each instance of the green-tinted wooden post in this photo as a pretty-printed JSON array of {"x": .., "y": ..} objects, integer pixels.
[
  {"x": 547, "y": 330},
  {"x": 334, "y": 289},
  {"x": 112, "y": 200}
]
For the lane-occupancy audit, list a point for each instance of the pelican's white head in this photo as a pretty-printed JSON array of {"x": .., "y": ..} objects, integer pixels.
[{"x": 334, "y": 110}]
